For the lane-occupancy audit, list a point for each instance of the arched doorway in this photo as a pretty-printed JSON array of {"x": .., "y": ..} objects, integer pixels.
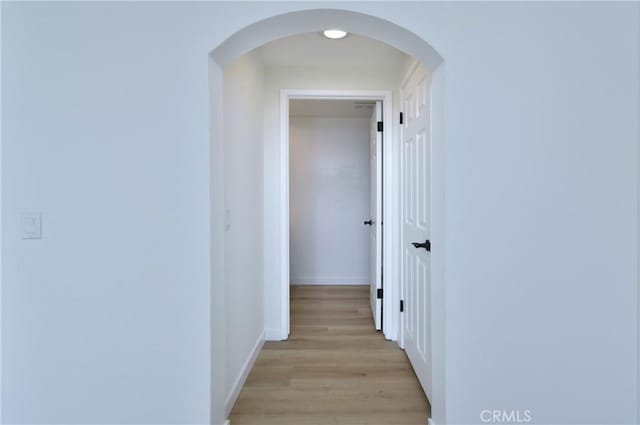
[{"x": 272, "y": 29}]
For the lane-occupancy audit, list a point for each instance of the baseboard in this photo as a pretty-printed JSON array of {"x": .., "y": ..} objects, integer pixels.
[
  {"x": 246, "y": 368},
  {"x": 431, "y": 422},
  {"x": 329, "y": 281}
]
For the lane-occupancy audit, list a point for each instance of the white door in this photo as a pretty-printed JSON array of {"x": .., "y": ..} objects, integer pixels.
[
  {"x": 415, "y": 195},
  {"x": 375, "y": 219}
]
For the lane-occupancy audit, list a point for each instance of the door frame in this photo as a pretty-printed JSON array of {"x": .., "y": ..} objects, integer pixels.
[{"x": 389, "y": 207}]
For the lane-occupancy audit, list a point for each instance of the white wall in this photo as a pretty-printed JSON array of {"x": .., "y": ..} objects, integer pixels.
[
  {"x": 243, "y": 203},
  {"x": 105, "y": 130},
  {"x": 531, "y": 184},
  {"x": 329, "y": 200}
]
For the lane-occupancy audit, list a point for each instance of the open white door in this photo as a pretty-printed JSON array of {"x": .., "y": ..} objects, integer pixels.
[
  {"x": 375, "y": 219},
  {"x": 415, "y": 195}
]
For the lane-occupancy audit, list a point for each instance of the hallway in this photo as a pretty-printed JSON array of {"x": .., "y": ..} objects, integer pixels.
[{"x": 334, "y": 369}]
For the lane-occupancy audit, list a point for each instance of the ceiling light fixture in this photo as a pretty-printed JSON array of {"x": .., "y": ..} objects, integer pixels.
[{"x": 334, "y": 34}]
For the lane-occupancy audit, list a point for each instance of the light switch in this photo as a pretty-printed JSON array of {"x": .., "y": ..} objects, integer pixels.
[{"x": 31, "y": 225}]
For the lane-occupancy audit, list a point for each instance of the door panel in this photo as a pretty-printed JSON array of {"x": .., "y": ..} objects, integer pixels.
[
  {"x": 375, "y": 231},
  {"x": 415, "y": 193}
]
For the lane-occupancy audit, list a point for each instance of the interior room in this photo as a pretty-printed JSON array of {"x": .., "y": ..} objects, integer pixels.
[{"x": 152, "y": 268}]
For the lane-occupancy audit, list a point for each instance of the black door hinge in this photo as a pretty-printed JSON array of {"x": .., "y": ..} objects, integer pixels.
[
  {"x": 379, "y": 294},
  {"x": 401, "y": 118},
  {"x": 401, "y": 306},
  {"x": 380, "y": 126}
]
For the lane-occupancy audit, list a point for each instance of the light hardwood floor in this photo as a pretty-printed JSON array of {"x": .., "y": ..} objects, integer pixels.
[{"x": 334, "y": 369}]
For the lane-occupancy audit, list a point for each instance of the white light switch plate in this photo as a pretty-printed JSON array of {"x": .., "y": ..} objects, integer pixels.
[
  {"x": 31, "y": 225},
  {"x": 227, "y": 220}
]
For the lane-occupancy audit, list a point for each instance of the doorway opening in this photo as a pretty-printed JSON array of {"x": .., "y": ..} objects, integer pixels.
[
  {"x": 334, "y": 254},
  {"x": 233, "y": 349},
  {"x": 335, "y": 195}
]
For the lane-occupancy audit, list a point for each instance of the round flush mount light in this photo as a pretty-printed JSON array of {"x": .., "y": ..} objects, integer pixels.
[{"x": 334, "y": 34}]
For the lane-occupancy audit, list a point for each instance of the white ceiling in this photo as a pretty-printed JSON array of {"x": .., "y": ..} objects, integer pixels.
[
  {"x": 325, "y": 108},
  {"x": 314, "y": 50}
]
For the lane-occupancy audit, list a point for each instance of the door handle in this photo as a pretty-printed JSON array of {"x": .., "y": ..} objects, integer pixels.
[
  {"x": 426, "y": 245},
  {"x": 369, "y": 222}
]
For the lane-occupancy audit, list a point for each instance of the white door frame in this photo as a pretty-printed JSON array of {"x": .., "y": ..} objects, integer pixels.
[{"x": 389, "y": 230}]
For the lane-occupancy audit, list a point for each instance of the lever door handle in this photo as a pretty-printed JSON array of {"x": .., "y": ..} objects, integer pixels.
[
  {"x": 426, "y": 245},
  {"x": 369, "y": 222}
]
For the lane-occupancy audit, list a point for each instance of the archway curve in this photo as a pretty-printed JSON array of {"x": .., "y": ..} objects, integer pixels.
[
  {"x": 271, "y": 29},
  {"x": 316, "y": 20}
]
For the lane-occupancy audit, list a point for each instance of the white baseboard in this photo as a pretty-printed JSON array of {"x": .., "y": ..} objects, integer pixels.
[
  {"x": 329, "y": 281},
  {"x": 273, "y": 334},
  {"x": 244, "y": 372}
]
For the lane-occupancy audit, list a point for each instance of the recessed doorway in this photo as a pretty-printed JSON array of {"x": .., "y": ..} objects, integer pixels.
[
  {"x": 335, "y": 195},
  {"x": 315, "y": 241}
]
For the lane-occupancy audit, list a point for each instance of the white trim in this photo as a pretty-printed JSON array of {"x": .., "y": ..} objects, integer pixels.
[
  {"x": 390, "y": 325},
  {"x": 244, "y": 373},
  {"x": 0, "y": 236},
  {"x": 284, "y": 215},
  {"x": 401, "y": 291},
  {"x": 431, "y": 422},
  {"x": 273, "y": 334},
  {"x": 638, "y": 276},
  {"x": 334, "y": 94},
  {"x": 302, "y": 281},
  {"x": 391, "y": 219}
]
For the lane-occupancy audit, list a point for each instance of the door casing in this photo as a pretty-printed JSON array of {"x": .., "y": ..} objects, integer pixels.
[
  {"x": 375, "y": 214},
  {"x": 391, "y": 224}
]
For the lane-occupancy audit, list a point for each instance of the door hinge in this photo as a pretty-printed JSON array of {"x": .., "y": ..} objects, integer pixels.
[
  {"x": 401, "y": 118},
  {"x": 401, "y": 306},
  {"x": 380, "y": 126},
  {"x": 379, "y": 294}
]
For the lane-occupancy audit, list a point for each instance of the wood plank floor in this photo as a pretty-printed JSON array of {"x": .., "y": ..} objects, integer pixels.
[{"x": 334, "y": 369}]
